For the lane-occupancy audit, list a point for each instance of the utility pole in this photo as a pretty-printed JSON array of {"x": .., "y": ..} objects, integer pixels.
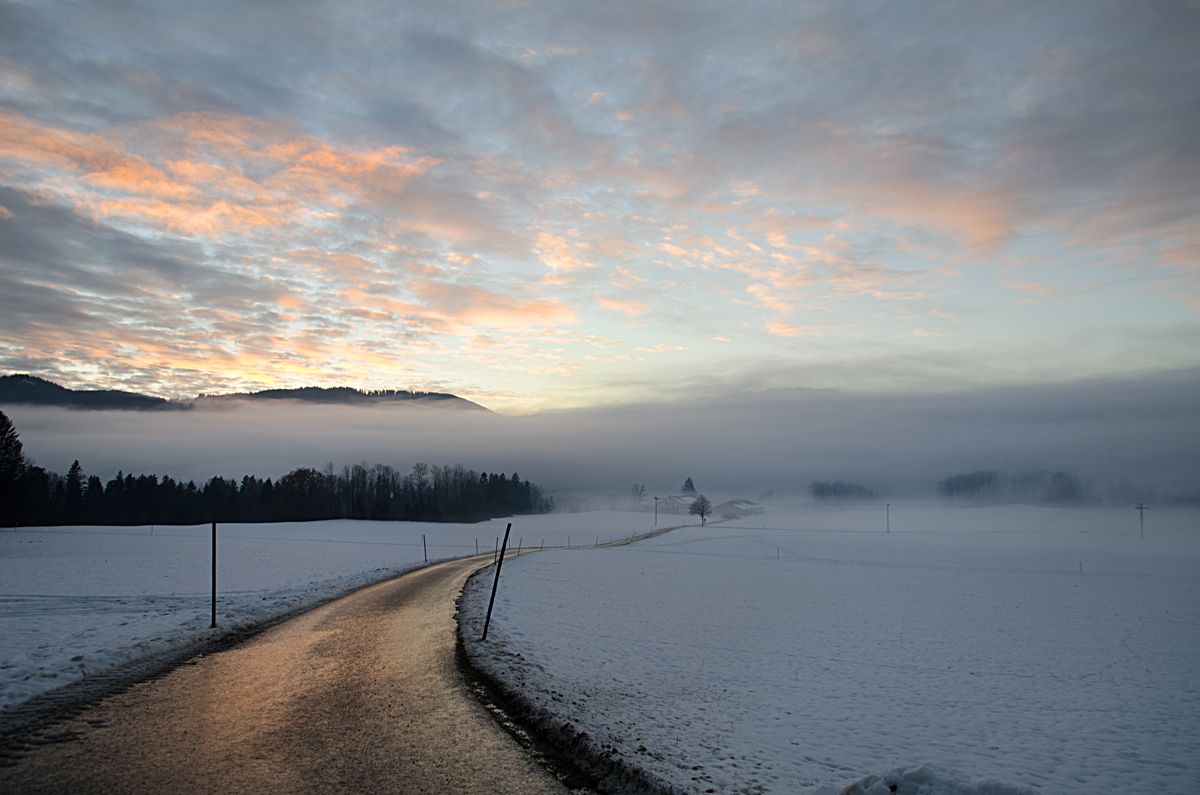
[
  {"x": 1141, "y": 509},
  {"x": 889, "y": 518},
  {"x": 656, "y": 510}
]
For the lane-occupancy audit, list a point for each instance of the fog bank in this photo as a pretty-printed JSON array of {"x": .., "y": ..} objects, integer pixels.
[{"x": 1139, "y": 436}]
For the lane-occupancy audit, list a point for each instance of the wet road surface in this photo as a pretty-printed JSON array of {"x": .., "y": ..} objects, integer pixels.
[{"x": 360, "y": 695}]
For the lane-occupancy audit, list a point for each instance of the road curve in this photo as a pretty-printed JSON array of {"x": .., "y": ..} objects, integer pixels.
[{"x": 360, "y": 695}]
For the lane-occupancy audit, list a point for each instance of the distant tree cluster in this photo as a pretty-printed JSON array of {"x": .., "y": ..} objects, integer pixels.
[
  {"x": 31, "y": 495},
  {"x": 982, "y": 484},
  {"x": 989, "y": 485},
  {"x": 839, "y": 490}
]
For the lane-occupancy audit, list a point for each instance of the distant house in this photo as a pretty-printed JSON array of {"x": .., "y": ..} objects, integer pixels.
[
  {"x": 735, "y": 509},
  {"x": 674, "y": 504}
]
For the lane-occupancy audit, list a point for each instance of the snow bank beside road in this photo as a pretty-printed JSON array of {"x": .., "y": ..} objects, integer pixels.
[
  {"x": 798, "y": 652},
  {"x": 928, "y": 780}
]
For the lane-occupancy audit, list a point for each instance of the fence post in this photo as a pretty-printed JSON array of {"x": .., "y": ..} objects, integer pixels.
[
  {"x": 214, "y": 573},
  {"x": 487, "y": 622}
]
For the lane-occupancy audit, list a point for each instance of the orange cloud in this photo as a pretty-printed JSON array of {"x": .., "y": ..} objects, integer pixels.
[
  {"x": 460, "y": 310},
  {"x": 559, "y": 254},
  {"x": 211, "y": 174},
  {"x": 628, "y": 307},
  {"x": 781, "y": 329}
]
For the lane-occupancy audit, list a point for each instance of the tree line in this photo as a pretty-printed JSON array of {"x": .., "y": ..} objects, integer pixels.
[
  {"x": 32, "y": 495},
  {"x": 1032, "y": 485}
]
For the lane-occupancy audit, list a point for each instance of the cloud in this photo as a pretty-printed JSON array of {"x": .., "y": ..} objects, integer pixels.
[
  {"x": 1026, "y": 287},
  {"x": 781, "y": 329},
  {"x": 628, "y": 307},
  {"x": 362, "y": 192}
]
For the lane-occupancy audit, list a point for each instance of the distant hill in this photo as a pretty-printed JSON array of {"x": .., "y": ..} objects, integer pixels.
[
  {"x": 31, "y": 390},
  {"x": 348, "y": 396}
]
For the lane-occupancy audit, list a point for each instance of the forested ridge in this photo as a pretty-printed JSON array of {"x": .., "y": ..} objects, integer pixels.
[{"x": 32, "y": 495}]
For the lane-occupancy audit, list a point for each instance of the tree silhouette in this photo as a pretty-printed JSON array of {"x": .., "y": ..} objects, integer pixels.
[
  {"x": 12, "y": 468},
  {"x": 688, "y": 487},
  {"x": 701, "y": 507},
  {"x": 637, "y": 492}
]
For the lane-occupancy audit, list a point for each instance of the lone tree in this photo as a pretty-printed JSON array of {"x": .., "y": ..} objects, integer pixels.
[
  {"x": 638, "y": 492},
  {"x": 688, "y": 487},
  {"x": 701, "y": 507}
]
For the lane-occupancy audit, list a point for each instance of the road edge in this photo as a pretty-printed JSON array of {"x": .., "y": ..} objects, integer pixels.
[{"x": 547, "y": 738}]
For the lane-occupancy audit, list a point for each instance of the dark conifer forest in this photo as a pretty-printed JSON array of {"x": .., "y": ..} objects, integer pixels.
[{"x": 31, "y": 495}]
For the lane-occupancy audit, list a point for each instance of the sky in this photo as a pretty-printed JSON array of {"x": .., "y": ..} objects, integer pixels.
[{"x": 560, "y": 205}]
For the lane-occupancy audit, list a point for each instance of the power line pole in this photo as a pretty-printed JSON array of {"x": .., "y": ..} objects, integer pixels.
[
  {"x": 1141, "y": 509},
  {"x": 889, "y": 518},
  {"x": 656, "y": 510}
]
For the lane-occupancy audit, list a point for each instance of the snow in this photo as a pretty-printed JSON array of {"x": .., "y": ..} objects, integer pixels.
[
  {"x": 78, "y": 600},
  {"x": 806, "y": 649}
]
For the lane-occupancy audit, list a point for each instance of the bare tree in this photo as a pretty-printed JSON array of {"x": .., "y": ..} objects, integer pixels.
[
  {"x": 701, "y": 507},
  {"x": 638, "y": 492}
]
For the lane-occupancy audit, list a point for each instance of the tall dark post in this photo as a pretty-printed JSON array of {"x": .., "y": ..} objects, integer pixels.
[
  {"x": 1141, "y": 509},
  {"x": 656, "y": 511},
  {"x": 214, "y": 574},
  {"x": 424, "y": 548},
  {"x": 889, "y": 518},
  {"x": 487, "y": 622}
]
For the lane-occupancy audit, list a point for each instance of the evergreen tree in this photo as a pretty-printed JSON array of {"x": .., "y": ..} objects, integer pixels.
[
  {"x": 688, "y": 487},
  {"x": 74, "y": 494},
  {"x": 12, "y": 468}
]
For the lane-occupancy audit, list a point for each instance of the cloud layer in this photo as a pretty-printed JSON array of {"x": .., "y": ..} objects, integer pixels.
[{"x": 563, "y": 204}]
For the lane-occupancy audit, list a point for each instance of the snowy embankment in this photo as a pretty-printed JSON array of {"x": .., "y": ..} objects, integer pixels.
[
  {"x": 803, "y": 650},
  {"x": 79, "y": 600}
]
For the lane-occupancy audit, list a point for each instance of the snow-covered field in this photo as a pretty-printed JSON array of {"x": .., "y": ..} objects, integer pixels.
[
  {"x": 802, "y": 650},
  {"x": 75, "y": 600}
]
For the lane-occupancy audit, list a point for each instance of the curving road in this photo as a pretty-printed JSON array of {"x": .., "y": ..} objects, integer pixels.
[{"x": 361, "y": 695}]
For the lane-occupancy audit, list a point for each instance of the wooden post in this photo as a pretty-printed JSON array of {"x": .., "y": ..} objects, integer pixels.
[
  {"x": 487, "y": 622},
  {"x": 214, "y": 573},
  {"x": 424, "y": 548}
]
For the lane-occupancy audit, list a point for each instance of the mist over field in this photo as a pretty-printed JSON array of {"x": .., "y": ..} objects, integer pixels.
[{"x": 1125, "y": 439}]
